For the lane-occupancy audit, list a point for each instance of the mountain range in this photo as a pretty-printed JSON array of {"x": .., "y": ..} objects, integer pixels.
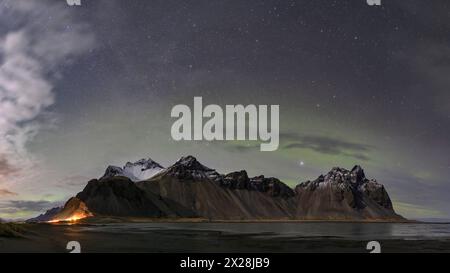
[{"x": 188, "y": 189}]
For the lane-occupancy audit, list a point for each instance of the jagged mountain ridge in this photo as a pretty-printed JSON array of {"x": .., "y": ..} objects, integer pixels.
[
  {"x": 140, "y": 170},
  {"x": 343, "y": 194},
  {"x": 204, "y": 191},
  {"x": 190, "y": 189}
]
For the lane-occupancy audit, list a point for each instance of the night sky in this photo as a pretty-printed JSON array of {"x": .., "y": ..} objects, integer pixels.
[{"x": 85, "y": 87}]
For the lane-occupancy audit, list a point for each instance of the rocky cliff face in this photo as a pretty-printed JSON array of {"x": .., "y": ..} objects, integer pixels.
[
  {"x": 190, "y": 189},
  {"x": 343, "y": 194},
  {"x": 225, "y": 197},
  {"x": 119, "y": 196},
  {"x": 240, "y": 181},
  {"x": 73, "y": 210}
]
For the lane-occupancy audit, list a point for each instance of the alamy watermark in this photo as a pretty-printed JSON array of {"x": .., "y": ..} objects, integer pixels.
[
  {"x": 374, "y": 247},
  {"x": 74, "y": 247},
  {"x": 237, "y": 122}
]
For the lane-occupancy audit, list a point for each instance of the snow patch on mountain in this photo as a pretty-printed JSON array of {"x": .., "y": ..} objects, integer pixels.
[{"x": 140, "y": 170}]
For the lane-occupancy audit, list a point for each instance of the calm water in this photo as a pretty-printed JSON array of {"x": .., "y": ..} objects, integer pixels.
[
  {"x": 259, "y": 237},
  {"x": 348, "y": 231},
  {"x": 234, "y": 237}
]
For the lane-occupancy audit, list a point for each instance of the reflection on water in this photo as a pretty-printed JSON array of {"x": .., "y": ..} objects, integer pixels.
[{"x": 349, "y": 231}]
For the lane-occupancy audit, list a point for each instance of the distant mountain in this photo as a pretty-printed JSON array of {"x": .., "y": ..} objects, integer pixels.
[
  {"x": 47, "y": 216},
  {"x": 190, "y": 189}
]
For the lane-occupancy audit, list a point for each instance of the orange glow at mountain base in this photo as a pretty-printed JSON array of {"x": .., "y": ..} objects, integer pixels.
[{"x": 75, "y": 217}]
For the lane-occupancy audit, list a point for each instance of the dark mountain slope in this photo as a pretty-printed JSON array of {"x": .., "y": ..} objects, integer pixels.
[
  {"x": 214, "y": 196},
  {"x": 344, "y": 194}
]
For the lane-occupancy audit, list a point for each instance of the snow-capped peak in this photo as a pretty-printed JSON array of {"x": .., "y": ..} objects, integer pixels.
[
  {"x": 189, "y": 162},
  {"x": 140, "y": 170}
]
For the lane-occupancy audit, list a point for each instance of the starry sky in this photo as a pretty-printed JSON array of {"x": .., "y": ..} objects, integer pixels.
[{"x": 85, "y": 87}]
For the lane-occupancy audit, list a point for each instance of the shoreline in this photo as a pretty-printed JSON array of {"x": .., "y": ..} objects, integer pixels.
[{"x": 112, "y": 220}]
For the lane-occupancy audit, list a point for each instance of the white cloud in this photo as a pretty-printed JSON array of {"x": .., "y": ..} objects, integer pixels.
[{"x": 40, "y": 37}]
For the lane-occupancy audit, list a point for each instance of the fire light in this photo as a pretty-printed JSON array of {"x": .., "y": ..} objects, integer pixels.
[{"x": 75, "y": 217}]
